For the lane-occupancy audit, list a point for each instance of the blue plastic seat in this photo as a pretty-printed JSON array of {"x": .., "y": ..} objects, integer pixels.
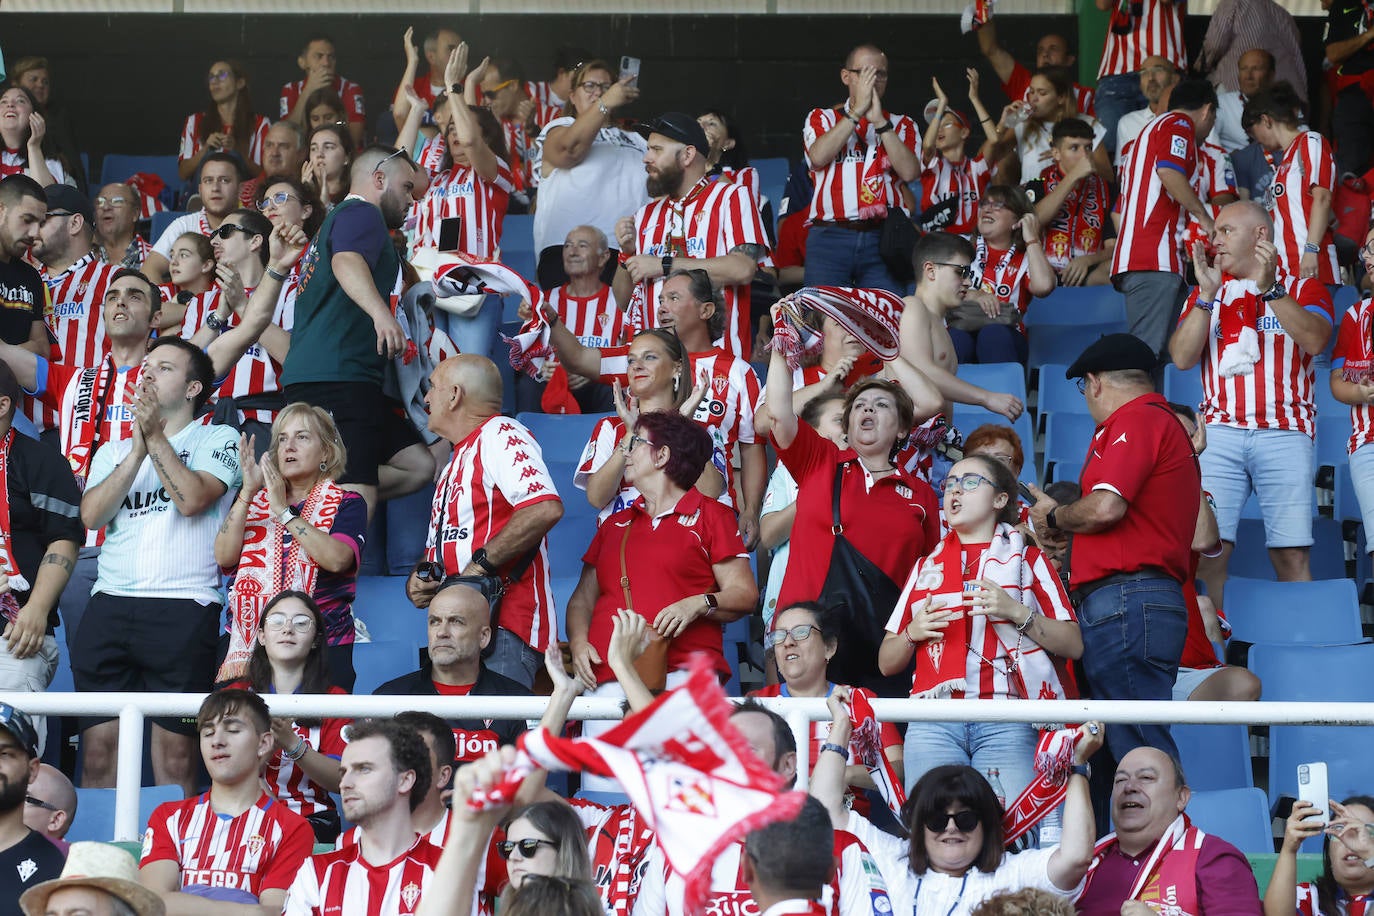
[
  {"x": 1068, "y": 437},
  {"x": 1251, "y": 557},
  {"x": 1071, "y": 471},
  {"x": 561, "y": 436},
  {"x": 1007, "y": 378},
  {"x": 773, "y": 172},
  {"x": 1313, "y": 673},
  {"x": 1299, "y": 615},
  {"x": 1238, "y": 816},
  {"x": 1183, "y": 386},
  {"x": 1058, "y": 394},
  {"x": 379, "y": 662},
  {"x": 1078, "y": 305},
  {"x": 95, "y": 811},
  {"x": 1063, "y": 343},
  {"x": 517, "y": 245},
  {"x": 159, "y": 223},
  {"x": 1214, "y": 756},
  {"x": 383, "y": 607},
  {"x": 117, "y": 168},
  {"x": 1346, "y": 751},
  {"x": 569, "y": 540}
]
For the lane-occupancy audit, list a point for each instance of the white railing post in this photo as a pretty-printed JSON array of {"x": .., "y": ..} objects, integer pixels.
[
  {"x": 801, "y": 731},
  {"x": 128, "y": 773}
]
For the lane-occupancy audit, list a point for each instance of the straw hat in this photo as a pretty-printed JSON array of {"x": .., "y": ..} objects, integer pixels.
[{"x": 102, "y": 866}]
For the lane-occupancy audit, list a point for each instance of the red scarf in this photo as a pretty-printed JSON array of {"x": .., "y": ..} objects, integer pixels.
[
  {"x": 1238, "y": 309},
  {"x": 83, "y": 414},
  {"x": 1053, "y": 767},
  {"x": 976, "y": 15},
  {"x": 866, "y": 738},
  {"x": 676, "y": 243},
  {"x": 1077, "y": 228},
  {"x": 263, "y": 573},
  {"x": 873, "y": 179},
  {"x": 1169, "y": 879},
  {"x": 1350, "y": 906},
  {"x": 9, "y": 605}
]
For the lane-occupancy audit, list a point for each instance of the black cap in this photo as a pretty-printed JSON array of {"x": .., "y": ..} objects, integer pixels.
[
  {"x": 1113, "y": 353},
  {"x": 67, "y": 199},
  {"x": 17, "y": 723},
  {"x": 677, "y": 126}
]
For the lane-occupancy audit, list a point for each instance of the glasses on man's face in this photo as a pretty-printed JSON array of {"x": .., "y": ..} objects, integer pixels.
[
  {"x": 1081, "y": 383},
  {"x": 964, "y": 821},
  {"x": 965, "y": 271},
  {"x": 35, "y": 802},
  {"x": 592, "y": 87},
  {"x": 227, "y": 231},
  {"x": 527, "y": 848},
  {"x": 301, "y": 623},
  {"x": 967, "y": 483},
  {"x": 275, "y": 200},
  {"x": 111, "y": 202},
  {"x": 799, "y": 633},
  {"x": 882, "y": 74}
]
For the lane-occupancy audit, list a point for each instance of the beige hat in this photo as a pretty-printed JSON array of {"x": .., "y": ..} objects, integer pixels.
[{"x": 98, "y": 865}]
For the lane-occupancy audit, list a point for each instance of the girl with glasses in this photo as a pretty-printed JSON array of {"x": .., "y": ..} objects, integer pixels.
[
  {"x": 227, "y": 124},
  {"x": 285, "y": 201},
  {"x": 289, "y": 657},
  {"x": 802, "y": 641},
  {"x": 986, "y": 617}
]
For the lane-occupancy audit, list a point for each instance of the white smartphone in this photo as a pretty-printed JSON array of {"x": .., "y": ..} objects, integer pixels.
[
  {"x": 1312, "y": 788},
  {"x": 629, "y": 66}
]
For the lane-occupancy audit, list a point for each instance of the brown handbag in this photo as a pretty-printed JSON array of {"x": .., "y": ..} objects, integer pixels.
[{"x": 652, "y": 664}]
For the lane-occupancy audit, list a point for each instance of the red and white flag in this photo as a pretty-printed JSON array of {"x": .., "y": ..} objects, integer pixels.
[
  {"x": 688, "y": 772},
  {"x": 866, "y": 738}
]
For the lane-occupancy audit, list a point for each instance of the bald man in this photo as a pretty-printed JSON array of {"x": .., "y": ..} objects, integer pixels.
[
  {"x": 1257, "y": 389},
  {"x": 51, "y": 805},
  {"x": 493, "y": 505}
]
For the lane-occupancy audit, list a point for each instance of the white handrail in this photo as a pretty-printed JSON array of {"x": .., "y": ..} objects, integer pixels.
[{"x": 133, "y": 708}]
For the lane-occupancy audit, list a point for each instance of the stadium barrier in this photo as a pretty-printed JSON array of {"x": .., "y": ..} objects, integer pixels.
[{"x": 133, "y": 708}]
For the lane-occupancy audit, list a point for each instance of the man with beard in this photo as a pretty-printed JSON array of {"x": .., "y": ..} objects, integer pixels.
[
  {"x": 26, "y": 856},
  {"x": 693, "y": 223},
  {"x": 23, "y": 297},
  {"x": 345, "y": 327}
]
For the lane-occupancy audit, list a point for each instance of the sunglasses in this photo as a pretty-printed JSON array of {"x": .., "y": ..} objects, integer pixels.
[
  {"x": 275, "y": 200},
  {"x": 964, "y": 270},
  {"x": 382, "y": 164},
  {"x": 39, "y": 803},
  {"x": 527, "y": 848},
  {"x": 964, "y": 821},
  {"x": 800, "y": 632},
  {"x": 430, "y": 571},
  {"x": 227, "y": 231}
]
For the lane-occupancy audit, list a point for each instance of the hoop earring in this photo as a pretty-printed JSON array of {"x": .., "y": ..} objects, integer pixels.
[{"x": 322, "y": 465}]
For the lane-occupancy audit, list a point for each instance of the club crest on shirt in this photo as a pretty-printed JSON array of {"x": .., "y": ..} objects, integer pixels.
[
  {"x": 931, "y": 575},
  {"x": 26, "y": 869},
  {"x": 410, "y": 895},
  {"x": 904, "y": 491},
  {"x": 255, "y": 844},
  {"x": 689, "y": 521}
]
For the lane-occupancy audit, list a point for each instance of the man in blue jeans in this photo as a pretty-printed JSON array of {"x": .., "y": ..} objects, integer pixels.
[
  {"x": 857, "y": 151},
  {"x": 1132, "y": 535}
]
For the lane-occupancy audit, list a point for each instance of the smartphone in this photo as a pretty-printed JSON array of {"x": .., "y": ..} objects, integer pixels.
[
  {"x": 450, "y": 233},
  {"x": 1312, "y": 788},
  {"x": 629, "y": 66}
]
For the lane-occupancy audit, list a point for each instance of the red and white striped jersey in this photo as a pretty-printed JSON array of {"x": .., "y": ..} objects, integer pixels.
[
  {"x": 431, "y": 157},
  {"x": 726, "y": 411},
  {"x": 76, "y": 320},
  {"x": 1017, "y": 86},
  {"x": 197, "y": 307},
  {"x": 1214, "y": 177},
  {"x": 1151, "y": 220},
  {"x": 435, "y": 836},
  {"x": 856, "y": 889},
  {"x": 191, "y": 141},
  {"x": 489, "y": 870},
  {"x": 1307, "y": 163},
  {"x": 480, "y": 204},
  {"x": 710, "y": 221},
  {"x": 547, "y": 105},
  {"x": 618, "y": 845},
  {"x": 259, "y": 850},
  {"x": 748, "y": 177},
  {"x": 518, "y": 145},
  {"x": 497, "y": 470},
  {"x": 1278, "y": 394},
  {"x": 255, "y": 373},
  {"x": 1156, "y": 32},
  {"x": 343, "y": 882},
  {"x": 291, "y": 784},
  {"x": 1002, "y": 272},
  {"x": 605, "y": 439},
  {"x": 349, "y": 92},
  {"x": 1354, "y": 344},
  {"x": 963, "y": 181},
  {"x": 595, "y": 320},
  {"x": 840, "y": 191}
]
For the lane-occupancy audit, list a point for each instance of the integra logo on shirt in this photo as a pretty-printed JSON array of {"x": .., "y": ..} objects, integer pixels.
[
  {"x": 227, "y": 456},
  {"x": 212, "y": 877},
  {"x": 69, "y": 310}
]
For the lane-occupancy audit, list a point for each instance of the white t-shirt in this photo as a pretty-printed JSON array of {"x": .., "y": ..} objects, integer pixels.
[
  {"x": 605, "y": 186},
  {"x": 781, "y": 493},
  {"x": 189, "y": 222},
  {"x": 151, "y": 550},
  {"x": 1129, "y": 127},
  {"x": 938, "y": 894}
]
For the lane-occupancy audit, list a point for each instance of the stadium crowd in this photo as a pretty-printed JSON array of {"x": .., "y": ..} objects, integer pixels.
[{"x": 200, "y": 432}]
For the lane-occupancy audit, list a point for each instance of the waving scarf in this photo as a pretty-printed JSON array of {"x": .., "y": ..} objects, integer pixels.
[
  {"x": 976, "y": 15},
  {"x": 942, "y": 666},
  {"x": 1050, "y": 783},
  {"x": 263, "y": 573},
  {"x": 866, "y": 738}
]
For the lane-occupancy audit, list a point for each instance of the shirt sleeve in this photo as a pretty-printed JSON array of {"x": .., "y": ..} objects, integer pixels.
[
  {"x": 781, "y": 492},
  {"x": 1321, "y": 163},
  {"x": 103, "y": 463},
  {"x": 1226, "y": 885},
  {"x": 747, "y": 393},
  {"x": 297, "y": 843},
  {"x": 1347, "y": 338},
  {"x": 350, "y": 524},
  {"x": 359, "y": 229},
  {"x": 332, "y": 742},
  {"x": 652, "y": 899},
  {"x": 189, "y": 141},
  {"x": 1172, "y": 146},
  {"x": 725, "y": 543},
  {"x": 818, "y": 122},
  {"x": 158, "y": 843},
  {"x": 56, "y": 498},
  {"x": 174, "y": 231},
  {"x": 863, "y": 892},
  {"x": 808, "y": 454},
  {"x": 353, "y": 101},
  {"x": 217, "y": 454},
  {"x": 1125, "y": 456},
  {"x": 303, "y": 896},
  {"x": 1016, "y": 85},
  {"x": 1050, "y": 597},
  {"x": 596, "y": 452},
  {"x": 516, "y": 464},
  {"x": 614, "y": 365},
  {"x": 1314, "y": 297}
]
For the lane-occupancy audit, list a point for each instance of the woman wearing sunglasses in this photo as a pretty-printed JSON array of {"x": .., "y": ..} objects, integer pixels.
[
  {"x": 986, "y": 618},
  {"x": 547, "y": 839},
  {"x": 955, "y": 856},
  {"x": 289, "y": 657},
  {"x": 802, "y": 640}
]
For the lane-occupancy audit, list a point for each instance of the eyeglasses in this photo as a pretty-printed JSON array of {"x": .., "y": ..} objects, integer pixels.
[
  {"x": 528, "y": 848},
  {"x": 112, "y": 202},
  {"x": 380, "y": 165},
  {"x": 992, "y": 206},
  {"x": 54, "y": 214},
  {"x": 1081, "y": 383},
  {"x": 430, "y": 571},
  {"x": 636, "y": 440},
  {"x": 301, "y": 623},
  {"x": 592, "y": 86},
  {"x": 799, "y": 633},
  {"x": 227, "y": 231},
  {"x": 882, "y": 74},
  {"x": 964, "y": 821},
  {"x": 499, "y": 86},
  {"x": 39, "y": 803},
  {"x": 220, "y": 76},
  {"x": 968, "y": 483},
  {"x": 1368, "y": 250},
  {"x": 963, "y": 270},
  {"x": 275, "y": 200}
]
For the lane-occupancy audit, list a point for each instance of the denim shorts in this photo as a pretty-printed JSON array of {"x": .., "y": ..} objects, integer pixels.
[{"x": 1274, "y": 463}]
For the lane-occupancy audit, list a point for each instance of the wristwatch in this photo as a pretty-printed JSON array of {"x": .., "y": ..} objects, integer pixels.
[
  {"x": 216, "y": 323},
  {"x": 884, "y": 129},
  {"x": 1050, "y": 520},
  {"x": 1275, "y": 292},
  {"x": 667, "y": 264},
  {"x": 712, "y": 605},
  {"x": 288, "y": 514},
  {"x": 480, "y": 558}
]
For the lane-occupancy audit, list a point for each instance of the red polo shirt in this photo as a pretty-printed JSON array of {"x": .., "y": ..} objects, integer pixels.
[
  {"x": 1142, "y": 454},
  {"x": 668, "y": 558},
  {"x": 892, "y": 521}
]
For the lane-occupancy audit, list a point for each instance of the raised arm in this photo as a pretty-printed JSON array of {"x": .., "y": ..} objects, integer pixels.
[
  {"x": 566, "y": 147},
  {"x": 285, "y": 245},
  {"x": 1069, "y": 863},
  {"x": 576, "y": 358},
  {"x": 1189, "y": 340},
  {"x": 1002, "y": 62},
  {"x": 778, "y": 391},
  {"x": 399, "y": 109},
  {"x": 454, "y": 882},
  {"x": 924, "y": 395},
  {"x": 918, "y": 350},
  {"x": 484, "y": 161}
]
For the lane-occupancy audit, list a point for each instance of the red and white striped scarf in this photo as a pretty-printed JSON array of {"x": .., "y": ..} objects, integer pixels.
[
  {"x": 866, "y": 738},
  {"x": 1172, "y": 865}
]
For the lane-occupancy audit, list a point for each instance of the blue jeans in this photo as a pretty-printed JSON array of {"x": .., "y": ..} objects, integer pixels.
[
  {"x": 843, "y": 257},
  {"x": 1007, "y": 747},
  {"x": 1133, "y": 636},
  {"x": 513, "y": 657},
  {"x": 475, "y": 333},
  {"x": 993, "y": 343},
  {"x": 1116, "y": 96}
]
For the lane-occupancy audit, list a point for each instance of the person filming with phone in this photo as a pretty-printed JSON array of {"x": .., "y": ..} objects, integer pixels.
[{"x": 1347, "y": 878}]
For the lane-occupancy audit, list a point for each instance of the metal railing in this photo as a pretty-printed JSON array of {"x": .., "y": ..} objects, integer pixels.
[{"x": 133, "y": 708}]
